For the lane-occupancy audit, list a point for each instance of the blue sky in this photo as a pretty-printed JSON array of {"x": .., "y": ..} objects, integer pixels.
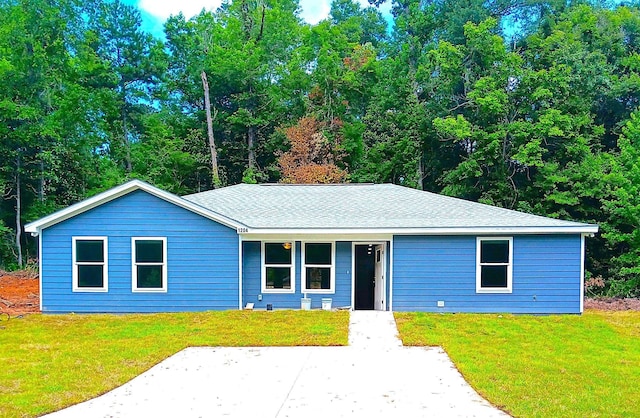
[{"x": 155, "y": 12}]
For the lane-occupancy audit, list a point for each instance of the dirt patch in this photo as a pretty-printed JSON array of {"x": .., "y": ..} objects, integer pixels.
[
  {"x": 19, "y": 293},
  {"x": 613, "y": 304}
]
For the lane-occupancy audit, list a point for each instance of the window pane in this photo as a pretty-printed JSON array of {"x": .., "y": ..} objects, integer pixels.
[
  {"x": 149, "y": 277},
  {"x": 275, "y": 253},
  {"x": 149, "y": 251},
  {"x": 318, "y": 278},
  {"x": 90, "y": 276},
  {"x": 278, "y": 278},
  {"x": 493, "y": 276},
  {"x": 317, "y": 254},
  {"x": 90, "y": 251},
  {"x": 494, "y": 251}
]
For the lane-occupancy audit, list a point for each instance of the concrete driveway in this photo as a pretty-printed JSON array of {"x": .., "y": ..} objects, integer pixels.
[{"x": 374, "y": 376}]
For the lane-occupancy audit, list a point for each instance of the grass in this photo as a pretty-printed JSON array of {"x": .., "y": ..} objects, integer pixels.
[
  {"x": 541, "y": 366},
  {"x": 48, "y": 362}
]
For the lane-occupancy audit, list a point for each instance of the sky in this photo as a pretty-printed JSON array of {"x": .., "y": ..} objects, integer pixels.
[{"x": 155, "y": 12}]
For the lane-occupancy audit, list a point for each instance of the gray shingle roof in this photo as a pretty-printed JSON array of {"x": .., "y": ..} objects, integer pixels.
[{"x": 361, "y": 206}]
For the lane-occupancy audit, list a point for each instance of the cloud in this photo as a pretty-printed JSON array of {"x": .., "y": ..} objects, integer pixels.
[
  {"x": 162, "y": 9},
  {"x": 312, "y": 11}
]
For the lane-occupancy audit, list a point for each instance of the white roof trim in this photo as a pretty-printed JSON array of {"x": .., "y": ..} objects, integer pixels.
[
  {"x": 366, "y": 236},
  {"x": 488, "y": 230},
  {"x": 35, "y": 227}
]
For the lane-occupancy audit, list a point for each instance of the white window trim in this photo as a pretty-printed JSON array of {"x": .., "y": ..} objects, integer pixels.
[
  {"x": 105, "y": 263},
  {"x": 292, "y": 267},
  {"x": 479, "y": 288},
  {"x": 332, "y": 271},
  {"x": 134, "y": 270}
]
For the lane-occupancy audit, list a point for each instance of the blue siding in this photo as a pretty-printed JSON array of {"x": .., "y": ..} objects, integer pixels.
[
  {"x": 251, "y": 280},
  {"x": 203, "y": 267},
  {"x": 546, "y": 275},
  {"x": 202, "y": 259}
]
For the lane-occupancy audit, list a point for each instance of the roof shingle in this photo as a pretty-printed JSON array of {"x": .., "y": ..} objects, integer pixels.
[{"x": 360, "y": 206}]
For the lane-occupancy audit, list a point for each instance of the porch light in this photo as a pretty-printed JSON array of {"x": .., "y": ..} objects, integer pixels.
[{"x": 286, "y": 245}]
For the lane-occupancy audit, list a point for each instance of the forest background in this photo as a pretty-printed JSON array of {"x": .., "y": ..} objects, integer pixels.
[{"x": 525, "y": 104}]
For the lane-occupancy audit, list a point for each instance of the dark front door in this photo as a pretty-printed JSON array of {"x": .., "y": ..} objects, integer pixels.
[{"x": 365, "y": 277}]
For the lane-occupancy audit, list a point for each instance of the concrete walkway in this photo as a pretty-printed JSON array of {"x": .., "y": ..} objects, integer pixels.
[
  {"x": 374, "y": 376},
  {"x": 373, "y": 330}
]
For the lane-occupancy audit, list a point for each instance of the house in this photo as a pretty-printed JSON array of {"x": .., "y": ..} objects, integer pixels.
[{"x": 136, "y": 248}]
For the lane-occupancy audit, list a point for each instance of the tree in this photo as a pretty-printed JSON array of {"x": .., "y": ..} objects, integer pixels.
[
  {"x": 312, "y": 157},
  {"x": 361, "y": 25},
  {"x": 189, "y": 89},
  {"x": 162, "y": 157},
  {"x": 397, "y": 130},
  {"x": 136, "y": 61},
  {"x": 256, "y": 47},
  {"x": 212, "y": 142},
  {"x": 345, "y": 65},
  {"x": 249, "y": 62},
  {"x": 622, "y": 205}
]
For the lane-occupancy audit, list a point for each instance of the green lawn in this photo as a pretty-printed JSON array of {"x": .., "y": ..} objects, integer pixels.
[
  {"x": 541, "y": 366},
  {"x": 48, "y": 362}
]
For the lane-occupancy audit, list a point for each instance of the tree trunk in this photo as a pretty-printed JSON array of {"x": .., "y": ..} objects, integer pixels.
[
  {"x": 125, "y": 142},
  {"x": 125, "y": 132},
  {"x": 251, "y": 131},
  {"x": 128, "y": 156},
  {"x": 421, "y": 175},
  {"x": 251, "y": 139},
  {"x": 41, "y": 186},
  {"x": 123, "y": 116},
  {"x": 215, "y": 175},
  {"x": 421, "y": 158},
  {"x": 18, "y": 211}
]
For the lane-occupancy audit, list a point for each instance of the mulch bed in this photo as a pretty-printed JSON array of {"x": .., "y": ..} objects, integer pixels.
[
  {"x": 19, "y": 293},
  {"x": 612, "y": 304}
]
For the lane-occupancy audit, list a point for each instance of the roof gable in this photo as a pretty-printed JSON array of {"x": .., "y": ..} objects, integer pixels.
[{"x": 122, "y": 190}]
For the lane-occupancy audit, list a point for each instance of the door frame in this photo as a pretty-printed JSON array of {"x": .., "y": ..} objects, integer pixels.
[{"x": 385, "y": 248}]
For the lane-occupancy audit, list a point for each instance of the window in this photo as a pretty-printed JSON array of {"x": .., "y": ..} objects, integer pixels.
[
  {"x": 317, "y": 268},
  {"x": 89, "y": 264},
  {"x": 277, "y": 267},
  {"x": 149, "y": 264},
  {"x": 494, "y": 265}
]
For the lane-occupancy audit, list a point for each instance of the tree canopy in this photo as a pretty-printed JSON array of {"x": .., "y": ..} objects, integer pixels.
[{"x": 529, "y": 105}]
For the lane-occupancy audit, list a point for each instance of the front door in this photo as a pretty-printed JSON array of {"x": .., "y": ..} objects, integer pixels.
[
  {"x": 368, "y": 280},
  {"x": 364, "y": 277},
  {"x": 379, "y": 279}
]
